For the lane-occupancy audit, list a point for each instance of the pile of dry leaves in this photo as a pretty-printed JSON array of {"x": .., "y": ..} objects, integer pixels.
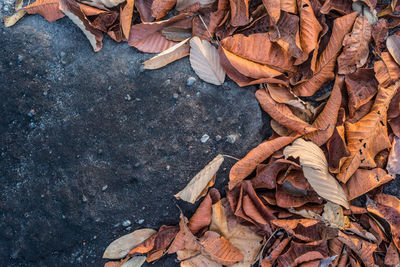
[{"x": 311, "y": 195}]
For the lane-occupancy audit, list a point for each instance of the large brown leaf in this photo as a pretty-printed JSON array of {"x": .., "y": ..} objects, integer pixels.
[
  {"x": 368, "y": 136},
  {"x": 248, "y": 164},
  {"x": 239, "y": 12},
  {"x": 327, "y": 60},
  {"x": 144, "y": 8},
  {"x": 103, "y": 4},
  {"x": 356, "y": 47},
  {"x": 46, "y": 8},
  {"x": 282, "y": 114}
]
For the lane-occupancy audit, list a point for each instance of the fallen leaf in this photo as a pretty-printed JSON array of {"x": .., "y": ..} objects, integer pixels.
[
  {"x": 393, "y": 46},
  {"x": 49, "y": 9},
  {"x": 327, "y": 60},
  {"x": 273, "y": 8},
  {"x": 356, "y": 47},
  {"x": 386, "y": 70},
  {"x": 299, "y": 253},
  {"x": 333, "y": 214},
  {"x": 103, "y": 3},
  {"x": 176, "y": 34},
  {"x": 315, "y": 169},
  {"x": 204, "y": 60},
  {"x": 270, "y": 259},
  {"x": 183, "y": 4},
  {"x": 72, "y": 10},
  {"x": 144, "y": 9},
  {"x": 160, "y": 8},
  {"x": 248, "y": 164},
  {"x": 172, "y": 54},
  {"x": 126, "y": 17},
  {"x": 379, "y": 34},
  {"x": 368, "y": 136},
  {"x": 393, "y": 165},
  {"x": 362, "y": 248},
  {"x": 239, "y": 12},
  {"x": 343, "y": 7},
  {"x": 198, "y": 186},
  {"x": 11, "y": 20},
  {"x": 392, "y": 256},
  {"x": 135, "y": 261},
  {"x": 363, "y": 181},
  {"x": 184, "y": 239},
  {"x": 190, "y": 258},
  {"x": 120, "y": 247}
]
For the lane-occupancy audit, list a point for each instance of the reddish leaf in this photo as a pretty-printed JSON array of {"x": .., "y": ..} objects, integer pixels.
[
  {"x": 46, "y": 8},
  {"x": 239, "y": 12},
  {"x": 299, "y": 253},
  {"x": 362, "y": 248},
  {"x": 160, "y": 8}
]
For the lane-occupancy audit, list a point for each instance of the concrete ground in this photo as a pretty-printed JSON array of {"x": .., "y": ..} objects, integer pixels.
[{"x": 93, "y": 148}]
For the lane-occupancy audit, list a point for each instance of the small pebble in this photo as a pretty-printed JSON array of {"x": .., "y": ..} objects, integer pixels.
[
  {"x": 231, "y": 138},
  {"x": 198, "y": 94},
  {"x": 84, "y": 198},
  {"x": 31, "y": 113},
  {"x": 219, "y": 119},
  {"x": 175, "y": 95},
  {"x": 128, "y": 97},
  {"x": 190, "y": 81},
  {"x": 20, "y": 58},
  {"x": 140, "y": 221},
  {"x": 168, "y": 167},
  {"x": 126, "y": 223},
  {"x": 128, "y": 228},
  {"x": 218, "y": 138},
  {"x": 104, "y": 188},
  {"x": 204, "y": 138}
]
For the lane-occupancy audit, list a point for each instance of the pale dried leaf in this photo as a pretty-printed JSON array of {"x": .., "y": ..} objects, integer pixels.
[
  {"x": 135, "y": 262},
  {"x": 393, "y": 45},
  {"x": 11, "y": 20},
  {"x": 204, "y": 59},
  {"x": 315, "y": 169},
  {"x": 191, "y": 258},
  {"x": 333, "y": 214},
  {"x": 173, "y": 53},
  {"x": 198, "y": 185},
  {"x": 393, "y": 166},
  {"x": 126, "y": 17},
  {"x": 362, "y": 8},
  {"x": 120, "y": 247},
  {"x": 182, "y": 4},
  {"x": 103, "y": 3}
]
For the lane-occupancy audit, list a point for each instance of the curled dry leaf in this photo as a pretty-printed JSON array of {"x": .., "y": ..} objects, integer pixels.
[
  {"x": 273, "y": 8},
  {"x": 119, "y": 248},
  {"x": 337, "y": 150},
  {"x": 126, "y": 17},
  {"x": 392, "y": 256},
  {"x": 11, "y": 20},
  {"x": 176, "y": 34},
  {"x": 386, "y": 70},
  {"x": 198, "y": 186},
  {"x": 368, "y": 136},
  {"x": 72, "y": 10},
  {"x": 204, "y": 60},
  {"x": 248, "y": 164},
  {"x": 183, "y": 4},
  {"x": 315, "y": 169},
  {"x": 393, "y": 45},
  {"x": 327, "y": 60},
  {"x": 362, "y": 248},
  {"x": 239, "y": 12},
  {"x": 49, "y": 9},
  {"x": 270, "y": 259},
  {"x": 135, "y": 261},
  {"x": 393, "y": 165},
  {"x": 160, "y": 8},
  {"x": 361, "y": 88},
  {"x": 190, "y": 258},
  {"x": 102, "y": 4},
  {"x": 333, "y": 215},
  {"x": 299, "y": 253},
  {"x": 173, "y": 53}
]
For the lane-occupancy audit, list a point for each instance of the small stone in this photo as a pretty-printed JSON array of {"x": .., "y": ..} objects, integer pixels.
[
  {"x": 175, "y": 95},
  {"x": 218, "y": 138},
  {"x": 128, "y": 228},
  {"x": 190, "y": 81},
  {"x": 204, "y": 138},
  {"x": 128, "y": 97},
  {"x": 104, "y": 188},
  {"x": 137, "y": 164},
  {"x": 31, "y": 113},
  {"x": 6, "y": 8},
  {"x": 198, "y": 94},
  {"x": 167, "y": 82},
  {"x": 62, "y": 54},
  {"x": 20, "y": 58},
  {"x": 140, "y": 221},
  {"x": 126, "y": 223},
  {"x": 84, "y": 198},
  {"x": 219, "y": 119},
  {"x": 168, "y": 167},
  {"x": 116, "y": 225},
  {"x": 231, "y": 138}
]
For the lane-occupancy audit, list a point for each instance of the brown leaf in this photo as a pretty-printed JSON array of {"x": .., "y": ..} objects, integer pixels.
[
  {"x": 202, "y": 217},
  {"x": 327, "y": 60},
  {"x": 156, "y": 247},
  {"x": 288, "y": 6},
  {"x": 393, "y": 165},
  {"x": 337, "y": 150},
  {"x": 184, "y": 239},
  {"x": 315, "y": 169},
  {"x": 379, "y": 34},
  {"x": 89, "y": 10},
  {"x": 126, "y": 17},
  {"x": 392, "y": 255},
  {"x": 273, "y": 8},
  {"x": 368, "y": 136},
  {"x": 46, "y": 8},
  {"x": 362, "y": 248},
  {"x": 282, "y": 114},
  {"x": 393, "y": 46},
  {"x": 356, "y": 47},
  {"x": 72, "y": 10},
  {"x": 388, "y": 208},
  {"x": 386, "y": 70},
  {"x": 364, "y": 181},
  {"x": 103, "y": 4},
  {"x": 176, "y": 34},
  {"x": 341, "y": 6},
  {"x": 144, "y": 8},
  {"x": 239, "y": 12},
  {"x": 190, "y": 258},
  {"x": 183, "y": 4},
  {"x": 299, "y": 253},
  {"x": 160, "y": 8},
  {"x": 270, "y": 259},
  {"x": 248, "y": 164}
]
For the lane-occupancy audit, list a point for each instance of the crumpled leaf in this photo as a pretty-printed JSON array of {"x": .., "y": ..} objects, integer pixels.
[
  {"x": 183, "y": 4},
  {"x": 72, "y": 10},
  {"x": 11, "y": 20},
  {"x": 135, "y": 262},
  {"x": 299, "y": 253},
  {"x": 160, "y": 8},
  {"x": 203, "y": 215},
  {"x": 393, "y": 46},
  {"x": 198, "y": 186},
  {"x": 270, "y": 259},
  {"x": 356, "y": 47},
  {"x": 204, "y": 60},
  {"x": 364, "y": 180},
  {"x": 362, "y": 248},
  {"x": 120, "y": 247},
  {"x": 248, "y": 164},
  {"x": 392, "y": 255},
  {"x": 315, "y": 169},
  {"x": 368, "y": 136},
  {"x": 266, "y": 175},
  {"x": 273, "y": 8},
  {"x": 172, "y": 54},
  {"x": 190, "y": 258},
  {"x": 393, "y": 165},
  {"x": 49, "y": 9},
  {"x": 103, "y": 3},
  {"x": 239, "y": 12},
  {"x": 386, "y": 70},
  {"x": 327, "y": 60},
  {"x": 333, "y": 215}
]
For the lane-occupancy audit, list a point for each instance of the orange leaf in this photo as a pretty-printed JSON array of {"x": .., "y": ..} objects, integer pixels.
[
  {"x": 239, "y": 12},
  {"x": 160, "y": 8},
  {"x": 184, "y": 239},
  {"x": 270, "y": 259},
  {"x": 368, "y": 136},
  {"x": 392, "y": 255},
  {"x": 356, "y": 47},
  {"x": 126, "y": 17},
  {"x": 248, "y": 164},
  {"x": 337, "y": 150},
  {"x": 273, "y": 8},
  {"x": 327, "y": 60},
  {"x": 46, "y": 8},
  {"x": 386, "y": 70},
  {"x": 362, "y": 248}
]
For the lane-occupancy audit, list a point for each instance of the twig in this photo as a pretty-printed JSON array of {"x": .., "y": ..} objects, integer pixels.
[{"x": 205, "y": 26}]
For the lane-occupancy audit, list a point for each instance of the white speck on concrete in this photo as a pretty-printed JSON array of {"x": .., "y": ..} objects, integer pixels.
[
  {"x": 231, "y": 138},
  {"x": 204, "y": 138},
  {"x": 190, "y": 81},
  {"x": 126, "y": 223}
]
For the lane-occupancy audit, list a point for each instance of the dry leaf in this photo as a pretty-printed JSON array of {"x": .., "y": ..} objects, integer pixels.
[
  {"x": 190, "y": 258},
  {"x": 273, "y": 8},
  {"x": 393, "y": 46},
  {"x": 172, "y": 54},
  {"x": 315, "y": 169},
  {"x": 204, "y": 60},
  {"x": 49, "y": 9},
  {"x": 72, "y": 10},
  {"x": 270, "y": 259},
  {"x": 135, "y": 261},
  {"x": 393, "y": 165},
  {"x": 198, "y": 186},
  {"x": 362, "y": 248},
  {"x": 386, "y": 70},
  {"x": 333, "y": 214},
  {"x": 299, "y": 253},
  {"x": 239, "y": 12},
  {"x": 356, "y": 47},
  {"x": 126, "y": 17},
  {"x": 202, "y": 217},
  {"x": 183, "y": 4},
  {"x": 120, "y": 247},
  {"x": 368, "y": 136},
  {"x": 176, "y": 34},
  {"x": 392, "y": 256},
  {"x": 361, "y": 88},
  {"x": 160, "y": 8},
  {"x": 11, "y": 20},
  {"x": 102, "y": 4}
]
